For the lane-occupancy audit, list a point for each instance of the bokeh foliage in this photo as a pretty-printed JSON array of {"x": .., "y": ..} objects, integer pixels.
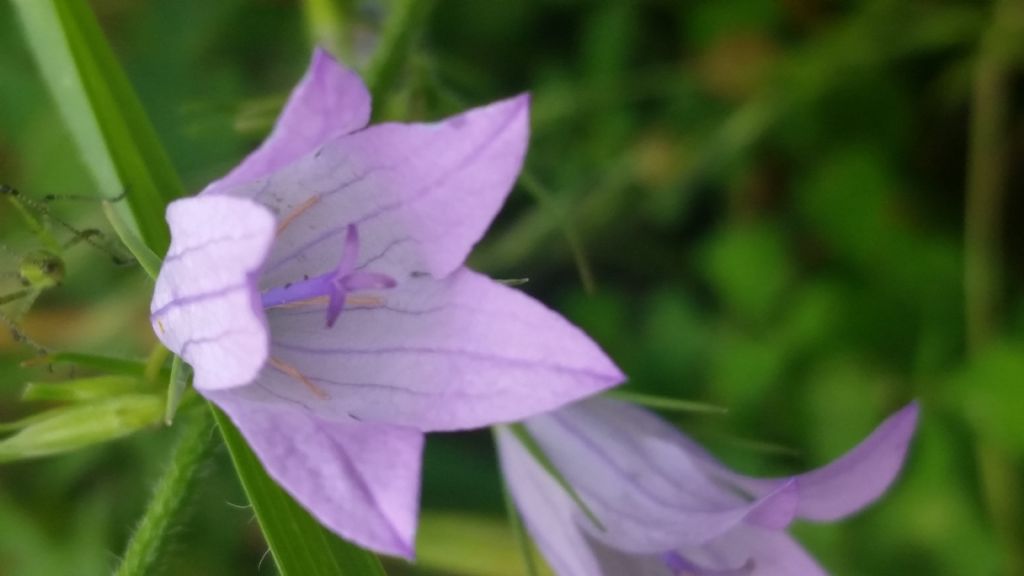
[{"x": 769, "y": 196}]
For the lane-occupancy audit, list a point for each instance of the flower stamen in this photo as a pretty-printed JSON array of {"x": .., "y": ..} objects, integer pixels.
[
  {"x": 298, "y": 211},
  {"x": 292, "y": 371}
]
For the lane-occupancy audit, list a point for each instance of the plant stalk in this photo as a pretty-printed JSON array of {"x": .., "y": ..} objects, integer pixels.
[
  {"x": 167, "y": 506},
  {"x": 984, "y": 226}
]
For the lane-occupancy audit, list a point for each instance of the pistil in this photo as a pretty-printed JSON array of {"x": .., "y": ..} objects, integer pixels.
[{"x": 334, "y": 286}]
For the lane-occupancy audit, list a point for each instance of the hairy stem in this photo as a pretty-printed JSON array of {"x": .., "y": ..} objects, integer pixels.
[{"x": 166, "y": 507}]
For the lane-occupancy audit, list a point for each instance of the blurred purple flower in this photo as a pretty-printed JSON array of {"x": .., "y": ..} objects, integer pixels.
[
  {"x": 667, "y": 507},
  {"x": 319, "y": 293}
]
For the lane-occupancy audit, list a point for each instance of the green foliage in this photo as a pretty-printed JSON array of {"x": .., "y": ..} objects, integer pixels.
[
  {"x": 101, "y": 110},
  {"x": 765, "y": 198},
  {"x": 78, "y": 426}
]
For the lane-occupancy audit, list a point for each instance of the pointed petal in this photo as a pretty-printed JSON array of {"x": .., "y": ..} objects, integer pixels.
[
  {"x": 849, "y": 483},
  {"x": 205, "y": 305},
  {"x": 449, "y": 354},
  {"x": 771, "y": 552},
  {"x": 548, "y": 513},
  {"x": 360, "y": 480},
  {"x": 329, "y": 101},
  {"x": 421, "y": 194},
  {"x": 644, "y": 487}
]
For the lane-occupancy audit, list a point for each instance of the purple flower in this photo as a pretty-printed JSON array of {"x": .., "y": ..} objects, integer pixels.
[
  {"x": 319, "y": 293},
  {"x": 666, "y": 507}
]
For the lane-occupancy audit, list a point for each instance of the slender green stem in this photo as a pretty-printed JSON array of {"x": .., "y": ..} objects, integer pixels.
[
  {"x": 167, "y": 505},
  {"x": 395, "y": 44},
  {"x": 579, "y": 255},
  {"x": 986, "y": 196}
]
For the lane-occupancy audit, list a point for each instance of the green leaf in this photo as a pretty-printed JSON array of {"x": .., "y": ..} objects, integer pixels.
[
  {"x": 403, "y": 23},
  {"x": 105, "y": 118},
  {"x": 666, "y": 403},
  {"x": 149, "y": 261},
  {"x": 80, "y": 389},
  {"x": 300, "y": 545},
  {"x": 105, "y": 363}
]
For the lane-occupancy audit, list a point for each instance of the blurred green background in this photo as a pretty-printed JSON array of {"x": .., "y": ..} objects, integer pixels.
[{"x": 771, "y": 206}]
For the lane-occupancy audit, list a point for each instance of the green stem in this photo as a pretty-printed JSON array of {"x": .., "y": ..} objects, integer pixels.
[
  {"x": 395, "y": 44},
  {"x": 986, "y": 196},
  {"x": 544, "y": 197},
  {"x": 169, "y": 498}
]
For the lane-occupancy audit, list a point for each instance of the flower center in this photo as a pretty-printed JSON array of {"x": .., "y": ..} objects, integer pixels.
[{"x": 335, "y": 286}]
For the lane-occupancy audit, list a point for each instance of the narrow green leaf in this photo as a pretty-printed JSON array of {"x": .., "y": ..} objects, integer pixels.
[
  {"x": 28, "y": 420},
  {"x": 81, "y": 389},
  {"x": 535, "y": 450},
  {"x": 403, "y": 23},
  {"x": 666, "y": 403},
  {"x": 149, "y": 261},
  {"x": 105, "y": 363},
  {"x": 300, "y": 545},
  {"x": 116, "y": 140}
]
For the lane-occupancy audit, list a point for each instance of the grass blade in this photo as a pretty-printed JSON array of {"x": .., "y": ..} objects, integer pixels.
[{"x": 113, "y": 134}]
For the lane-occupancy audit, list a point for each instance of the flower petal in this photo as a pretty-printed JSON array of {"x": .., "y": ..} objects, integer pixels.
[
  {"x": 449, "y": 354},
  {"x": 205, "y": 306},
  {"x": 849, "y": 483},
  {"x": 360, "y": 480},
  {"x": 329, "y": 101},
  {"x": 421, "y": 194},
  {"x": 644, "y": 487},
  {"x": 547, "y": 511},
  {"x": 771, "y": 552}
]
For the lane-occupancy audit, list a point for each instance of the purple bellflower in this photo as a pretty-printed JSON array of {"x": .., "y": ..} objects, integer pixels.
[
  {"x": 666, "y": 507},
  {"x": 318, "y": 292}
]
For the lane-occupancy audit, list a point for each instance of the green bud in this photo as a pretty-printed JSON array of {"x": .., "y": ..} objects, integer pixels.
[
  {"x": 41, "y": 269},
  {"x": 81, "y": 425},
  {"x": 80, "y": 389}
]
